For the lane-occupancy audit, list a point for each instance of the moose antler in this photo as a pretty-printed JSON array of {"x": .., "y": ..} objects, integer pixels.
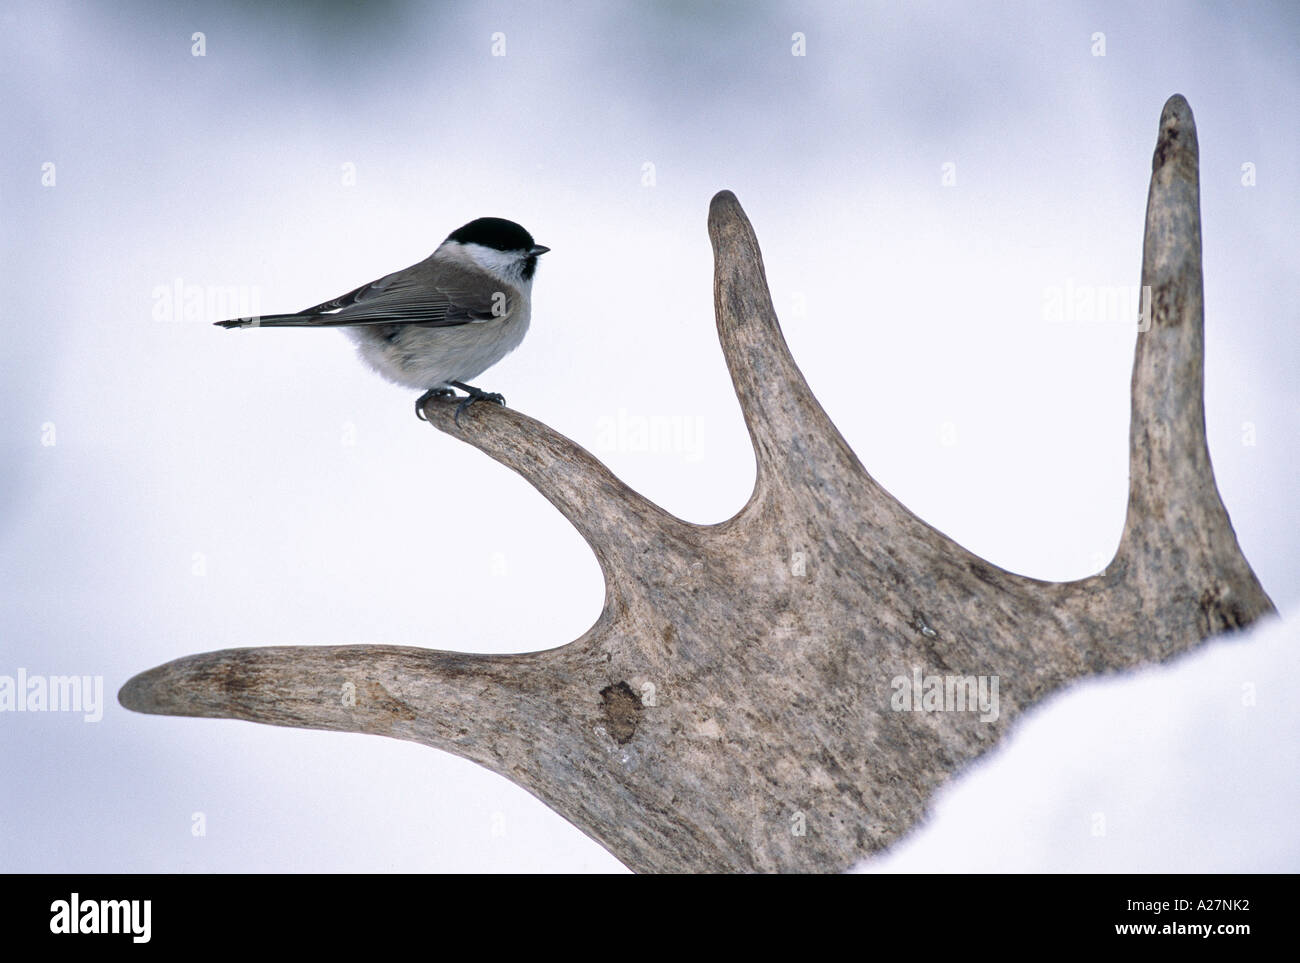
[{"x": 736, "y": 705}]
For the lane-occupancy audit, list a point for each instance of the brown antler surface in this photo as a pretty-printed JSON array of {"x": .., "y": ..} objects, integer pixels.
[{"x": 736, "y": 707}]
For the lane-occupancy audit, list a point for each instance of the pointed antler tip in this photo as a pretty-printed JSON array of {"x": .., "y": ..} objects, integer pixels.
[
  {"x": 1177, "y": 138},
  {"x": 1176, "y": 110},
  {"x": 729, "y": 224},
  {"x": 130, "y": 696},
  {"x": 141, "y": 693},
  {"x": 725, "y": 208}
]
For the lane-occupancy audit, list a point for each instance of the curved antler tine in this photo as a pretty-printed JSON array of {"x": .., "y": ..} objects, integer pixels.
[
  {"x": 787, "y": 424},
  {"x": 1177, "y": 529}
]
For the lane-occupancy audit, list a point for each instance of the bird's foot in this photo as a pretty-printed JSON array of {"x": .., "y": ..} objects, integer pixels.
[
  {"x": 475, "y": 394},
  {"x": 429, "y": 395}
]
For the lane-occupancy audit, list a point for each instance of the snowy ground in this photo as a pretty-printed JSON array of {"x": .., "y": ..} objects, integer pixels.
[{"x": 1192, "y": 766}]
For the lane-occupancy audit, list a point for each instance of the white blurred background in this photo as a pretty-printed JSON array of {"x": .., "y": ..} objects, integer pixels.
[{"x": 926, "y": 180}]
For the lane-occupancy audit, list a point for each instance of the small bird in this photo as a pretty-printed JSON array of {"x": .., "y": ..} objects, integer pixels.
[{"x": 436, "y": 324}]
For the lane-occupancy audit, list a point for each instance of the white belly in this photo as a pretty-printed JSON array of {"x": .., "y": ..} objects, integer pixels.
[{"x": 432, "y": 357}]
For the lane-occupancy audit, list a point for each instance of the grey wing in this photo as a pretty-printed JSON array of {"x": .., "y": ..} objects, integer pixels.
[{"x": 418, "y": 295}]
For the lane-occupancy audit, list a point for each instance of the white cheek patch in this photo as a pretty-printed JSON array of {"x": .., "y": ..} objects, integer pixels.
[{"x": 503, "y": 264}]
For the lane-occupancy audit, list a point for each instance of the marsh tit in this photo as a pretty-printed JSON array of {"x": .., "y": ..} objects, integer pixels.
[{"x": 436, "y": 324}]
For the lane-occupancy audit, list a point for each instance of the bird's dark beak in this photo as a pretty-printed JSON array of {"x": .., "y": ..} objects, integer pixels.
[{"x": 538, "y": 249}]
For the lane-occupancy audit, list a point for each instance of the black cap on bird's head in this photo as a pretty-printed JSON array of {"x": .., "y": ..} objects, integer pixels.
[{"x": 497, "y": 233}]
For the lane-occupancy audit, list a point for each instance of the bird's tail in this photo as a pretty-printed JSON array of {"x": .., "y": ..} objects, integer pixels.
[{"x": 274, "y": 321}]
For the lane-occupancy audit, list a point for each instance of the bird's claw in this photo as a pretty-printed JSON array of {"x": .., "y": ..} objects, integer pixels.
[
  {"x": 425, "y": 398},
  {"x": 475, "y": 394}
]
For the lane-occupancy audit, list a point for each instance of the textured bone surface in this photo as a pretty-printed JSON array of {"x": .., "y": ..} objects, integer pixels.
[{"x": 735, "y": 707}]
